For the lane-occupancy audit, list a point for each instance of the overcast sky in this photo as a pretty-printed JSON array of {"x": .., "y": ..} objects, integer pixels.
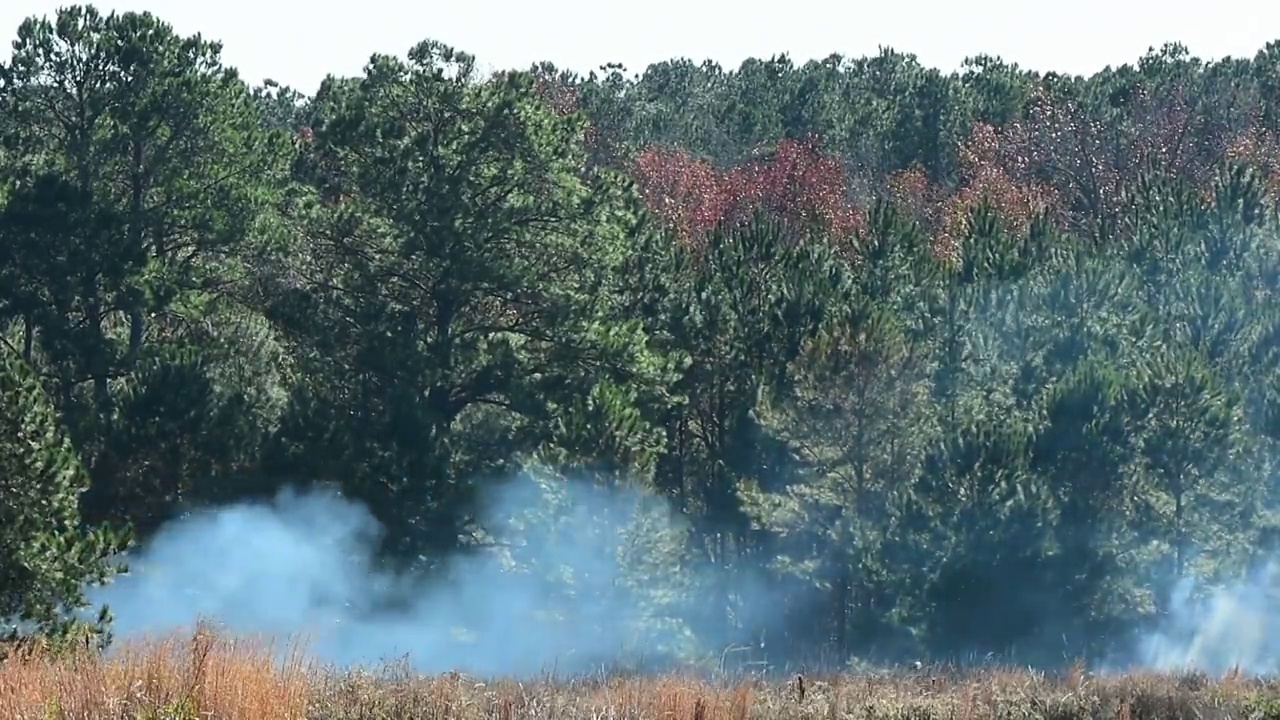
[{"x": 298, "y": 43}]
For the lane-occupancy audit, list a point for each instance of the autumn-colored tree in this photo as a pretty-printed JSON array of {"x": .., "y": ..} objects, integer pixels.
[
  {"x": 798, "y": 183},
  {"x": 995, "y": 171},
  {"x": 686, "y": 193},
  {"x": 795, "y": 182}
]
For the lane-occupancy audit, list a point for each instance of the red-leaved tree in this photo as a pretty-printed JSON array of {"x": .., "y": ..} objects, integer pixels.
[
  {"x": 795, "y": 182},
  {"x": 686, "y": 193}
]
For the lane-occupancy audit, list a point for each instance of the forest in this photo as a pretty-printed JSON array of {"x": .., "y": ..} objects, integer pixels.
[{"x": 953, "y": 363}]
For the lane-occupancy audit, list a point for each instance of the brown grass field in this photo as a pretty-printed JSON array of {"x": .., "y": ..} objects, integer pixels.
[{"x": 206, "y": 675}]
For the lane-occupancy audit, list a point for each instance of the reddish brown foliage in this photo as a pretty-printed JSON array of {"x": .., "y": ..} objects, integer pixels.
[
  {"x": 1088, "y": 160},
  {"x": 799, "y": 183},
  {"x": 1259, "y": 148},
  {"x": 995, "y": 169},
  {"x": 925, "y": 203},
  {"x": 686, "y": 193},
  {"x": 556, "y": 91},
  {"x": 1070, "y": 162},
  {"x": 796, "y": 182}
]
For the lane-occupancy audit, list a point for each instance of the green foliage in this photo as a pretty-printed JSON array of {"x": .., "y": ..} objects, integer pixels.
[
  {"x": 49, "y": 555},
  {"x": 141, "y": 176},
  {"x": 457, "y": 294}
]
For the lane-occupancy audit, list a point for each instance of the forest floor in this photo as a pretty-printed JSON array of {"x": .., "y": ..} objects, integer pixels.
[{"x": 206, "y": 676}]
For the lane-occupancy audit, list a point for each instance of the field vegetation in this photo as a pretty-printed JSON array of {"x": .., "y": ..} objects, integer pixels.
[{"x": 205, "y": 675}]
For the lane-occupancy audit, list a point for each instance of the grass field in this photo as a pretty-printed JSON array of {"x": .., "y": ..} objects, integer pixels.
[{"x": 205, "y": 675}]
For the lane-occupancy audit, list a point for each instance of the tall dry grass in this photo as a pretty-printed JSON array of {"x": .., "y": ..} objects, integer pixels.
[
  {"x": 201, "y": 675},
  {"x": 209, "y": 675}
]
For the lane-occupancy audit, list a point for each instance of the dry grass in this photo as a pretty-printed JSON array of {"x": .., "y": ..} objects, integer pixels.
[
  {"x": 196, "y": 676},
  {"x": 210, "y": 676}
]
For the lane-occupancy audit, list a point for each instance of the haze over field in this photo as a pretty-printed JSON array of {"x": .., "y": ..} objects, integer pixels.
[{"x": 303, "y": 566}]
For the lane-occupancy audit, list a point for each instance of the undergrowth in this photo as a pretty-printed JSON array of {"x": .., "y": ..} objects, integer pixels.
[{"x": 210, "y": 675}]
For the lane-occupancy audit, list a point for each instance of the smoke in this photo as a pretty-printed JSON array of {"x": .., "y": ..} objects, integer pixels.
[
  {"x": 1220, "y": 629},
  {"x": 572, "y": 575}
]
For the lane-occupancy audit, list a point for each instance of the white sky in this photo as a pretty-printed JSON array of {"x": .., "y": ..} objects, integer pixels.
[{"x": 298, "y": 43}]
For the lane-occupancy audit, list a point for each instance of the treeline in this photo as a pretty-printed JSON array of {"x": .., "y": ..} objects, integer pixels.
[{"x": 962, "y": 362}]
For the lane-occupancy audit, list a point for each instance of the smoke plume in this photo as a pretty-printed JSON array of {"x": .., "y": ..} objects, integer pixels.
[
  {"x": 575, "y": 575},
  {"x": 571, "y": 576},
  {"x": 1222, "y": 629}
]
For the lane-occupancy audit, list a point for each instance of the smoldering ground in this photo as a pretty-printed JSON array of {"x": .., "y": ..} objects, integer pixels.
[{"x": 571, "y": 577}]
